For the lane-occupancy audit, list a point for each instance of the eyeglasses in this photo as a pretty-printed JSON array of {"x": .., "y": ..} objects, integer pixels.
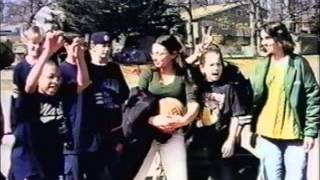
[{"x": 159, "y": 53}]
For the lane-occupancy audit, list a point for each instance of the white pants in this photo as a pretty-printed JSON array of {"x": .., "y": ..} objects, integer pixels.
[{"x": 173, "y": 158}]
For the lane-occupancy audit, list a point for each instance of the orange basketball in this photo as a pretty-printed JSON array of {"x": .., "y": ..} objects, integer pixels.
[{"x": 171, "y": 106}]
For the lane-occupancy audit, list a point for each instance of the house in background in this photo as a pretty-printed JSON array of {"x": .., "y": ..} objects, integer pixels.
[
  {"x": 230, "y": 23},
  {"x": 10, "y": 32}
]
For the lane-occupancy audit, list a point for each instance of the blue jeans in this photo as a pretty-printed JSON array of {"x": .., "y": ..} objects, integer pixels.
[{"x": 282, "y": 159}]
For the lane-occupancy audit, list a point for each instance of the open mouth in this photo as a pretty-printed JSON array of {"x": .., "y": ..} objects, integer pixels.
[
  {"x": 215, "y": 76},
  {"x": 53, "y": 87}
]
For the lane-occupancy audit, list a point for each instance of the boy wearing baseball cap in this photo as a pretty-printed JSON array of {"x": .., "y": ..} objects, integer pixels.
[{"x": 103, "y": 98}]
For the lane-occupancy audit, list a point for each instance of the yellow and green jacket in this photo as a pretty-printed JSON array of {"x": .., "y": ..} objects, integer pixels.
[{"x": 301, "y": 89}]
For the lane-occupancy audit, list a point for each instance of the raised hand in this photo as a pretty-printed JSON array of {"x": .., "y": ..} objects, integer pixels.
[
  {"x": 78, "y": 48},
  {"x": 201, "y": 47},
  {"x": 206, "y": 40},
  {"x": 206, "y": 37},
  {"x": 53, "y": 41}
]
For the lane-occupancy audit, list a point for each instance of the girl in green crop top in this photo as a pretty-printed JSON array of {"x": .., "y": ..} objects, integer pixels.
[{"x": 166, "y": 79}]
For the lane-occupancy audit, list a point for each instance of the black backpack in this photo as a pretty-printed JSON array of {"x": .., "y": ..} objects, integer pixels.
[
  {"x": 138, "y": 132},
  {"x": 141, "y": 105}
]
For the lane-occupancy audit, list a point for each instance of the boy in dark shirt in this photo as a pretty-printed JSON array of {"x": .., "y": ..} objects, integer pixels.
[
  {"x": 71, "y": 70},
  {"x": 40, "y": 125},
  {"x": 103, "y": 98},
  {"x": 219, "y": 116}
]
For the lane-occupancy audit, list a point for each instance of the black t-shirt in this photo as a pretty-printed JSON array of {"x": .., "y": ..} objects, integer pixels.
[
  {"x": 109, "y": 89},
  {"x": 44, "y": 115},
  {"x": 40, "y": 128},
  {"x": 41, "y": 109},
  {"x": 222, "y": 100},
  {"x": 231, "y": 75},
  {"x": 28, "y": 106},
  {"x": 102, "y": 102},
  {"x": 39, "y": 133}
]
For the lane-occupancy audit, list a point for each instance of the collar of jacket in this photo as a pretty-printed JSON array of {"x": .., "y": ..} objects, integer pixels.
[{"x": 262, "y": 69}]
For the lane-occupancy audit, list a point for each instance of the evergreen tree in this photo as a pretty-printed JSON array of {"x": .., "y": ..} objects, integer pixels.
[
  {"x": 119, "y": 16},
  {"x": 6, "y": 54}
]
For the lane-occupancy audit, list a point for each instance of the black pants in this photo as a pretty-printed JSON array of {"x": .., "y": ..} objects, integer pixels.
[
  {"x": 209, "y": 138},
  {"x": 88, "y": 166}
]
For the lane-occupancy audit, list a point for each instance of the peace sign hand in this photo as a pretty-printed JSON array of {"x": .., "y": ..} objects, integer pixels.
[
  {"x": 205, "y": 42},
  {"x": 201, "y": 48},
  {"x": 206, "y": 37}
]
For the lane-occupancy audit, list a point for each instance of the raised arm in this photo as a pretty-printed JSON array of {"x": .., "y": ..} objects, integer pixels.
[
  {"x": 83, "y": 79},
  {"x": 33, "y": 76},
  {"x": 200, "y": 48},
  {"x": 53, "y": 42}
]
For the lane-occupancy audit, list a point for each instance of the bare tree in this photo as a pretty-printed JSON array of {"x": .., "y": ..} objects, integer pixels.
[
  {"x": 294, "y": 12},
  {"x": 24, "y": 10},
  {"x": 255, "y": 15},
  {"x": 1, "y": 10},
  {"x": 1, "y": 5}
]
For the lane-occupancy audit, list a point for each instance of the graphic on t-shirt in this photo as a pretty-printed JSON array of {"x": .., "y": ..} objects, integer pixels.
[
  {"x": 105, "y": 94},
  {"x": 49, "y": 112},
  {"x": 213, "y": 103}
]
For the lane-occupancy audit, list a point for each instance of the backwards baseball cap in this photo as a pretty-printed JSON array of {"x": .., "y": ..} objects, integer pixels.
[{"x": 101, "y": 37}]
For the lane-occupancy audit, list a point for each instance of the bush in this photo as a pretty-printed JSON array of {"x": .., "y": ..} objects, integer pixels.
[{"x": 7, "y": 56}]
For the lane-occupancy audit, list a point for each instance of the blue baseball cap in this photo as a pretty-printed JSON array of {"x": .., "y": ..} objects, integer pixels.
[{"x": 101, "y": 37}]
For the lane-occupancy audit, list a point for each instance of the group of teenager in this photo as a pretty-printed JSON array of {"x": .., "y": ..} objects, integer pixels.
[{"x": 67, "y": 116}]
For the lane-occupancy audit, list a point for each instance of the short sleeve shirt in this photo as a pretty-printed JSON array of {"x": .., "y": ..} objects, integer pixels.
[
  {"x": 180, "y": 88},
  {"x": 222, "y": 100}
]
